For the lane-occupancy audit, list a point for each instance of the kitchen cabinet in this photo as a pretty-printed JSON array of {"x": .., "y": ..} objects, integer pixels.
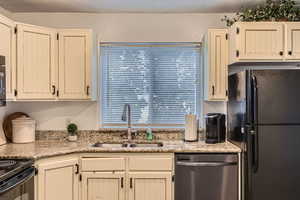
[
  {"x": 124, "y": 176},
  {"x": 45, "y": 63},
  {"x": 103, "y": 185},
  {"x": 257, "y": 41},
  {"x": 57, "y": 179},
  {"x": 150, "y": 185},
  {"x": 36, "y": 66},
  {"x": 292, "y": 40},
  {"x": 215, "y": 61},
  {"x": 74, "y": 64},
  {"x": 8, "y": 49}
]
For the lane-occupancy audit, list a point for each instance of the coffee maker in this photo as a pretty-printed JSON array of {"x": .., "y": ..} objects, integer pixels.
[{"x": 215, "y": 128}]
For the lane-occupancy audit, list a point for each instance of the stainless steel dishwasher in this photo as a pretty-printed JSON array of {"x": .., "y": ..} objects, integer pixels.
[{"x": 206, "y": 177}]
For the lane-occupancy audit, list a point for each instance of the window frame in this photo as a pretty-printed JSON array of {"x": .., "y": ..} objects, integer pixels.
[{"x": 199, "y": 98}]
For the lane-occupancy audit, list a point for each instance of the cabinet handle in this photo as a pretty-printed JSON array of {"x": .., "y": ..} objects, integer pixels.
[
  {"x": 77, "y": 169},
  {"x": 281, "y": 53},
  {"x": 213, "y": 90},
  {"x": 53, "y": 89},
  {"x": 122, "y": 182},
  {"x": 88, "y": 90},
  {"x": 130, "y": 182},
  {"x": 290, "y": 53}
]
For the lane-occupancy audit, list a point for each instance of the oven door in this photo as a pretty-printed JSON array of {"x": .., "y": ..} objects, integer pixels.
[{"x": 19, "y": 186}]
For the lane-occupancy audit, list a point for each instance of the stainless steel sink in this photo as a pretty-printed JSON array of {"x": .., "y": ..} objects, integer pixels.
[
  {"x": 129, "y": 145},
  {"x": 146, "y": 145},
  {"x": 110, "y": 145}
]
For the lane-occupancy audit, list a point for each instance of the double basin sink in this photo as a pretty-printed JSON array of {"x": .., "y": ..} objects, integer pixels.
[{"x": 127, "y": 145}]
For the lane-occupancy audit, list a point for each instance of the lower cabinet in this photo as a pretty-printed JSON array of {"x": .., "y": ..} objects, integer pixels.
[
  {"x": 105, "y": 177},
  {"x": 57, "y": 180},
  {"x": 103, "y": 185},
  {"x": 150, "y": 185}
]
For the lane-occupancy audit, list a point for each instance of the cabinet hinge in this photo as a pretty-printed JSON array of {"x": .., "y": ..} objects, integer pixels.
[
  {"x": 36, "y": 171},
  {"x": 80, "y": 177},
  {"x": 16, "y": 92},
  {"x": 226, "y": 36},
  {"x": 57, "y": 36},
  {"x": 173, "y": 178},
  {"x": 237, "y": 30},
  {"x": 237, "y": 53},
  {"x": 16, "y": 30}
]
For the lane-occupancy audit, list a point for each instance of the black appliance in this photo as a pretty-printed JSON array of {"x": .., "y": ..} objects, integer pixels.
[
  {"x": 206, "y": 176},
  {"x": 2, "y": 81},
  {"x": 215, "y": 128},
  {"x": 14, "y": 173},
  {"x": 264, "y": 120}
]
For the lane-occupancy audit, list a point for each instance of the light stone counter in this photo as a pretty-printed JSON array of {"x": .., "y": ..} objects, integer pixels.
[{"x": 47, "y": 148}]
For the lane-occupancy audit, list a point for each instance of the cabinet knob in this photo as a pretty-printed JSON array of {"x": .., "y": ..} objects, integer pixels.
[
  {"x": 290, "y": 53},
  {"x": 213, "y": 90},
  {"x": 53, "y": 89},
  {"x": 131, "y": 185},
  {"x": 281, "y": 53},
  {"x": 88, "y": 90},
  {"x": 122, "y": 182}
]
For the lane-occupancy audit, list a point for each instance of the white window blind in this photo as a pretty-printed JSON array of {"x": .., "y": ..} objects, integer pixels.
[{"x": 161, "y": 82}]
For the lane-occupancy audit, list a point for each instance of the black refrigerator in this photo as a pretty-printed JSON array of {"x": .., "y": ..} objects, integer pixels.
[{"x": 264, "y": 120}]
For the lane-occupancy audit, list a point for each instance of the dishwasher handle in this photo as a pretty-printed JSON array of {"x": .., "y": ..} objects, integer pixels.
[{"x": 205, "y": 164}]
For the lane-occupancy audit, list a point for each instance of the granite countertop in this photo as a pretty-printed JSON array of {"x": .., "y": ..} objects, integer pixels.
[{"x": 47, "y": 148}]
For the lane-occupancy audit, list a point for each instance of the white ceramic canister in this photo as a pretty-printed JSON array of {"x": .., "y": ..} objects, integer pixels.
[{"x": 23, "y": 130}]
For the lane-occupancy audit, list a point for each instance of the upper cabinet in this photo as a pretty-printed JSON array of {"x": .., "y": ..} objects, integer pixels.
[
  {"x": 74, "y": 64},
  {"x": 8, "y": 49},
  {"x": 292, "y": 40},
  {"x": 45, "y": 63},
  {"x": 259, "y": 41},
  {"x": 36, "y": 62},
  {"x": 215, "y": 61}
]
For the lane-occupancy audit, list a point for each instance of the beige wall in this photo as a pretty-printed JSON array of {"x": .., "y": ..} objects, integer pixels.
[
  {"x": 112, "y": 28},
  {"x": 5, "y": 12}
]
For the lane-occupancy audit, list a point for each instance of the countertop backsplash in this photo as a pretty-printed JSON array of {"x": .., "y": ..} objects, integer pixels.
[{"x": 107, "y": 134}]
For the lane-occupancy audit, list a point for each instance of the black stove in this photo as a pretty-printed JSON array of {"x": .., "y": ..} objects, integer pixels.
[{"x": 14, "y": 172}]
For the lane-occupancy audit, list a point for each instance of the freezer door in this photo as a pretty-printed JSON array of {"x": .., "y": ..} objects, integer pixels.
[
  {"x": 278, "y": 96},
  {"x": 276, "y": 173}
]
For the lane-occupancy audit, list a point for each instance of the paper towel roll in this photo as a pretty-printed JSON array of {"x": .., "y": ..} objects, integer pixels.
[{"x": 191, "y": 128}]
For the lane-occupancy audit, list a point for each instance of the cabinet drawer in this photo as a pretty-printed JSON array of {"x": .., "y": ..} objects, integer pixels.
[
  {"x": 103, "y": 164},
  {"x": 150, "y": 164}
]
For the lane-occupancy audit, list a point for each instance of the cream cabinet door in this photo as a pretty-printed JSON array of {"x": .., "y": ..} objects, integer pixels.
[
  {"x": 103, "y": 185},
  {"x": 58, "y": 180},
  {"x": 36, "y": 65},
  {"x": 74, "y": 64},
  {"x": 150, "y": 186},
  {"x": 216, "y": 67},
  {"x": 260, "y": 41},
  {"x": 8, "y": 49},
  {"x": 293, "y": 40}
]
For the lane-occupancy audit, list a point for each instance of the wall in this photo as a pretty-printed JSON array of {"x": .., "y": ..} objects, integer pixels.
[{"x": 112, "y": 28}]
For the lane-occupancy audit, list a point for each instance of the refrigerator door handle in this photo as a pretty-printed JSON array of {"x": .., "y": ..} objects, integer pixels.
[
  {"x": 249, "y": 154},
  {"x": 254, "y": 132}
]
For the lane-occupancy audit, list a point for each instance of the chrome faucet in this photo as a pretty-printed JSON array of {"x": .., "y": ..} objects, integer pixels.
[{"x": 127, "y": 110}]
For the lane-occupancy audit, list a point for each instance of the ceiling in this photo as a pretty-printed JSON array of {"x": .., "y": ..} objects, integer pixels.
[{"x": 127, "y": 6}]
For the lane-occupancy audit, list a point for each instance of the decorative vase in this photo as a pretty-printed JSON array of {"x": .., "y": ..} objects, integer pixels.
[{"x": 72, "y": 138}]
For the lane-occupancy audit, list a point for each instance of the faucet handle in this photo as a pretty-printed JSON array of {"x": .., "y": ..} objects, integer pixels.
[{"x": 134, "y": 132}]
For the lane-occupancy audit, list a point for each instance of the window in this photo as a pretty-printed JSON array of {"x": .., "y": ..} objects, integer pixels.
[{"x": 161, "y": 82}]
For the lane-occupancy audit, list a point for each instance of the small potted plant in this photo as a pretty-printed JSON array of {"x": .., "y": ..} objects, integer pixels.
[{"x": 72, "y": 130}]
